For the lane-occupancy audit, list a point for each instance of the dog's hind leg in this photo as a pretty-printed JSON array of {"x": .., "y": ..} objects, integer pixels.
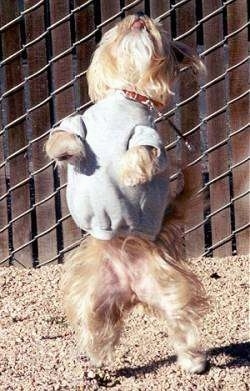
[
  {"x": 182, "y": 303},
  {"x": 170, "y": 290},
  {"x": 97, "y": 296}
]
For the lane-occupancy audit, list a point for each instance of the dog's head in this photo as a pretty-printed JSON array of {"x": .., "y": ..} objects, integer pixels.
[{"x": 137, "y": 55}]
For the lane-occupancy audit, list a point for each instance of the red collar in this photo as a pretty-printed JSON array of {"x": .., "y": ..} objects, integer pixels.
[{"x": 152, "y": 104}]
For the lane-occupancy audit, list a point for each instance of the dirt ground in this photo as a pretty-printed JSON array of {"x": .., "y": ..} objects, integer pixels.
[{"x": 38, "y": 352}]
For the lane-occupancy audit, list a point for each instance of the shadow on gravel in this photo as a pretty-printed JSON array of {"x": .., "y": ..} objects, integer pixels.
[
  {"x": 136, "y": 371},
  {"x": 238, "y": 354}
]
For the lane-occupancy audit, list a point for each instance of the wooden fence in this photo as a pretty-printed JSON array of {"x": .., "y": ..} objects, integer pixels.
[{"x": 46, "y": 47}]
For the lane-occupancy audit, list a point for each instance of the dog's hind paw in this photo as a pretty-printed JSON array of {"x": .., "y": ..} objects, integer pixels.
[{"x": 193, "y": 363}]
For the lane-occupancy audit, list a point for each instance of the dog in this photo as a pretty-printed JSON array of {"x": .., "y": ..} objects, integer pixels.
[{"x": 118, "y": 192}]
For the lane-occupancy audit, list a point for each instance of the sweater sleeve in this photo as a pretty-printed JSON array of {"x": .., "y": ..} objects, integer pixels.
[
  {"x": 147, "y": 136},
  {"x": 74, "y": 125}
]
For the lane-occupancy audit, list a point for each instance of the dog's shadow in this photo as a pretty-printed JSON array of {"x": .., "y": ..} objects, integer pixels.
[{"x": 238, "y": 355}]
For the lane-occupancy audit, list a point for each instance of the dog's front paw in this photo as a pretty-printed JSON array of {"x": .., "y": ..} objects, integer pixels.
[
  {"x": 133, "y": 178},
  {"x": 193, "y": 363},
  {"x": 64, "y": 146},
  {"x": 138, "y": 165}
]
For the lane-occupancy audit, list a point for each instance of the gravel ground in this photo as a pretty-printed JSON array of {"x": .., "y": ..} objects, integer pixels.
[{"x": 38, "y": 352}]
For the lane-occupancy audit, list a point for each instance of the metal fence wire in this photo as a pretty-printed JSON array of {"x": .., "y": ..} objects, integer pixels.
[{"x": 46, "y": 47}]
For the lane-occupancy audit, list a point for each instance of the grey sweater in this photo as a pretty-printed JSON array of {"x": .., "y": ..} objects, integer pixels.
[{"x": 98, "y": 202}]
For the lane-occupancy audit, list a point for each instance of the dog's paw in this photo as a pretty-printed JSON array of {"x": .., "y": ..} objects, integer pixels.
[
  {"x": 138, "y": 166},
  {"x": 64, "y": 146},
  {"x": 193, "y": 363},
  {"x": 133, "y": 179}
]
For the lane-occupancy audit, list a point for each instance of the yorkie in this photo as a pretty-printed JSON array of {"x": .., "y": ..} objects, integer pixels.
[{"x": 118, "y": 191}]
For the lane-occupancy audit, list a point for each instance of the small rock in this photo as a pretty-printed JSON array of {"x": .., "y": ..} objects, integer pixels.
[
  {"x": 91, "y": 374},
  {"x": 215, "y": 275}
]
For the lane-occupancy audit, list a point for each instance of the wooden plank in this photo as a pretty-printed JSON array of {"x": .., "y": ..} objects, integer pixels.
[
  {"x": 64, "y": 101},
  {"x": 216, "y": 127},
  {"x": 168, "y": 134},
  {"x": 136, "y": 8},
  {"x": 14, "y": 104},
  {"x": 185, "y": 19},
  {"x": 62, "y": 69},
  {"x": 39, "y": 122},
  {"x": 239, "y": 117},
  {"x": 159, "y": 7},
  {"x": 4, "y": 242},
  {"x": 109, "y": 9},
  {"x": 84, "y": 25}
]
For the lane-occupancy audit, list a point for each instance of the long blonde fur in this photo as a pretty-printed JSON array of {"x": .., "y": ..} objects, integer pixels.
[
  {"x": 64, "y": 146},
  {"x": 145, "y": 61},
  {"x": 104, "y": 280},
  {"x": 138, "y": 165}
]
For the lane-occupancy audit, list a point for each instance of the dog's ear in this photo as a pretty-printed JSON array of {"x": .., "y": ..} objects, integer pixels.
[{"x": 183, "y": 56}]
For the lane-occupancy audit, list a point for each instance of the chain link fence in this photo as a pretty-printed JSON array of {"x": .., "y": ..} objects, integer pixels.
[{"x": 46, "y": 47}]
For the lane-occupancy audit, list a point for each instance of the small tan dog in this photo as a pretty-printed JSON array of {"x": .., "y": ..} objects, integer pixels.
[{"x": 118, "y": 191}]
